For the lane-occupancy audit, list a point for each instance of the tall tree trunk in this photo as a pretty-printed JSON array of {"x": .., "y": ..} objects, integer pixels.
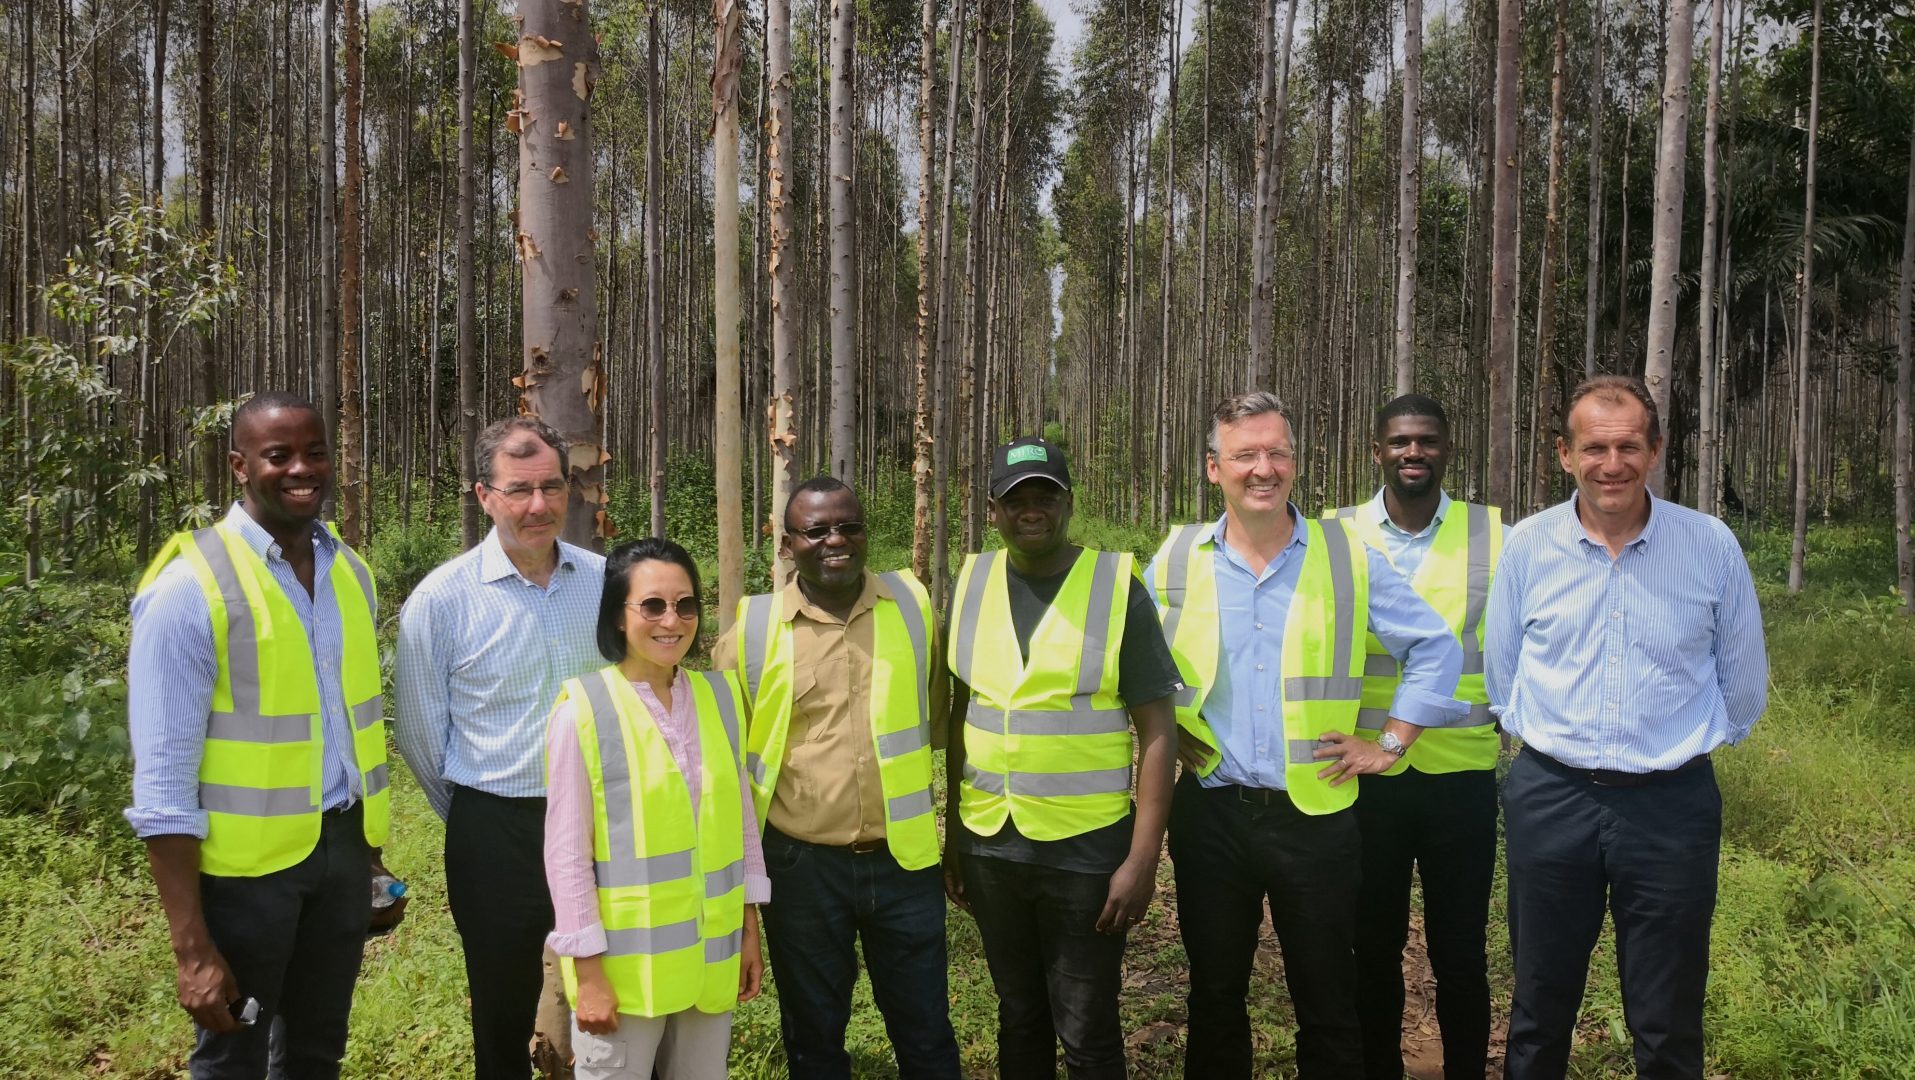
[
  {"x": 1409, "y": 192},
  {"x": 352, "y": 454},
  {"x": 654, "y": 276},
  {"x": 1805, "y": 313},
  {"x": 1270, "y": 131},
  {"x": 1708, "y": 463},
  {"x": 563, "y": 382},
  {"x": 1167, "y": 271},
  {"x": 1592, "y": 298},
  {"x": 1260, "y": 253},
  {"x": 212, "y": 461},
  {"x": 1904, "y": 374},
  {"x": 727, "y": 61},
  {"x": 921, "y": 442},
  {"x": 147, "y": 430},
  {"x": 1549, "y": 283},
  {"x": 784, "y": 363},
  {"x": 1665, "y": 287},
  {"x": 1502, "y": 297},
  {"x": 944, "y": 452},
  {"x": 468, "y": 359},
  {"x": 844, "y": 265},
  {"x": 325, "y": 357},
  {"x": 1205, "y": 387}
]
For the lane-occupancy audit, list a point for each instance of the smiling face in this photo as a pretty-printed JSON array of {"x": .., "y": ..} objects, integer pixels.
[
  {"x": 1034, "y": 517},
  {"x": 1412, "y": 451},
  {"x": 1610, "y": 453},
  {"x": 666, "y": 641},
  {"x": 527, "y": 518},
  {"x": 283, "y": 465},
  {"x": 1254, "y": 464},
  {"x": 836, "y": 562}
]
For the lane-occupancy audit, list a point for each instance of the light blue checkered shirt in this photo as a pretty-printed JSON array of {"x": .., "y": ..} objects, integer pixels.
[
  {"x": 482, "y": 654},
  {"x": 1633, "y": 664},
  {"x": 171, "y": 669}
]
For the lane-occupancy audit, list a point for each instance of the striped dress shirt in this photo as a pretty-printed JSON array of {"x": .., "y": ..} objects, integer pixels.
[
  {"x": 482, "y": 654},
  {"x": 1632, "y": 664},
  {"x": 172, "y": 666}
]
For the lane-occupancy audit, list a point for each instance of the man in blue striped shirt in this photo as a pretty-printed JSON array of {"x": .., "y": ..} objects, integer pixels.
[
  {"x": 485, "y": 642},
  {"x": 1624, "y": 645}
]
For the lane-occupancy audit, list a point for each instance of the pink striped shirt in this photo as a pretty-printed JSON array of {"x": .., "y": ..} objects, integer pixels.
[{"x": 577, "y": 930}]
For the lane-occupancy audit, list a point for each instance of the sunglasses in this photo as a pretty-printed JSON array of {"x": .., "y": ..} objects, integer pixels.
[
  {"x": 818, "y": 534},
  {"x": 653, "y": 608}
]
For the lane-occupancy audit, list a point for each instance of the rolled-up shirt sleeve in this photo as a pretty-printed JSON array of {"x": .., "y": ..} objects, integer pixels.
[
  {"x": 422, "y": 716},
  {"x": 171, "y": 670},
  {"x": 576, "y": 928},
  {"x": 1422, "y": 644},
  {"x": 1742, "y": 660}
]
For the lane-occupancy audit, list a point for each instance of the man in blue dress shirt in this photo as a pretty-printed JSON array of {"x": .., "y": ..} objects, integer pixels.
[
  {"x": 1238, "y": 834},
  {"x": 1624, "y": 644},
  {"x": 485, "y": 642}
]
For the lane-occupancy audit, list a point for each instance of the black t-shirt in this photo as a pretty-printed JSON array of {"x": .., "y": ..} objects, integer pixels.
[{"x": 1145, "y": 672}]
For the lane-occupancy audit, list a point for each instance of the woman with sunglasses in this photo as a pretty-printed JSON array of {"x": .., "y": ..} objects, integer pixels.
[{"x": 651, "y": 843}]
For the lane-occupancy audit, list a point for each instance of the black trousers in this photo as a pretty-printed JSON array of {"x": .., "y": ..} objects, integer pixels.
[
  {"x": 1057, "y": 978},
  {"x": 293, "y": 939},
  {"x": 495, "y": 884},
  {"x": 825, "y": 901},
  {"x": 1230, "y": 855},
  {"x": 1647, "y": 853},
  {"x": 1442, "y": 826}
]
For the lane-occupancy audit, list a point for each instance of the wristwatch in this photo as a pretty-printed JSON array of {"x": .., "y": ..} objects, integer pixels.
[{"x": 1391, "y": 743}]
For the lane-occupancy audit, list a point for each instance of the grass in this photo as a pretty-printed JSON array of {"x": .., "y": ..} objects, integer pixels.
[{"x": 1813, "y": 971}]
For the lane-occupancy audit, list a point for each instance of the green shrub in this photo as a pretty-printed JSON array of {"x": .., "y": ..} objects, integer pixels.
[
  {"x": 66, "y": 750},
  {"x": 402, "y": 555}
]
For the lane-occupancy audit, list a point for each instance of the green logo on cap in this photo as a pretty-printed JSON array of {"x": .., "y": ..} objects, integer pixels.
[{"x": 1022, "y": 454}]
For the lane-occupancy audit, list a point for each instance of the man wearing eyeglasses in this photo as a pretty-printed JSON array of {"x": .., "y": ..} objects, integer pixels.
[
  {"x": 846, "y": 693},
  {"x": 1267, "y": 612},
  {"x": 485, "y": 642}
]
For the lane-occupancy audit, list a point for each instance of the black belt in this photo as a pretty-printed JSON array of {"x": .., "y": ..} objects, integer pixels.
[
  {"x": 1254, "y": 795},
  {"x": 861, "y": 847},
  {"x": 342, "y": 811},
  {"x": 1611, "y": 777}
]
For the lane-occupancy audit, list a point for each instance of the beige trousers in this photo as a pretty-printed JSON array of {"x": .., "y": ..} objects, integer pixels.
[{"x": 688, "y": 1045}]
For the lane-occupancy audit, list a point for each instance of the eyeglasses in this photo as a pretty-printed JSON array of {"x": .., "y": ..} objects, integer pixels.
[
  {"x": 653, "y": 608},
  {"x": 818, "y": 534},
  {"x": 1250, "y": 459},
  {"x": 520, "y": 494}
]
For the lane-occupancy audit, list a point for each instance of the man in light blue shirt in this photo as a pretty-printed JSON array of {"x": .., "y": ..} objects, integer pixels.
[
  {"x": 1236, "y": 835},
  {"x": 485, "y": 642},
  {"x": 1624, "y": 645}
]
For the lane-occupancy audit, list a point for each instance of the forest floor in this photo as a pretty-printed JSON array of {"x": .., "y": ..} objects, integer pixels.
[{"x": 1813, "y": 971}]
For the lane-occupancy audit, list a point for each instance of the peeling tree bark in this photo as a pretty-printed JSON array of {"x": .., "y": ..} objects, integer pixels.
[
  {"x": 921, "y": 501},
  {"x": 1708, "y": 463},
  {"x": 844, "y": 265},
  {"x": 1666, "y": 245},
  {"x": 562, "y": 382},
  {"x": 1409, "y": 193},
  {"x": 1904, "y": 374},
  {"x": 782, "y": 428},
  {"x": 1502, "y": 297},
  {"x": 1549, "y": 283},
  {"x": 352, "y": 451},
  {"x": 469, "y": 518},
  {"x": 1804, "y": 315},
  {"x": 654, "y": 278},
  {"x": 727, "y": 60}
]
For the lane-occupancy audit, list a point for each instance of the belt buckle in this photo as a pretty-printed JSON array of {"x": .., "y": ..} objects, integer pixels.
[
  {"x": 866, "y": 847},
  {"x": 1253, "y": 796}
]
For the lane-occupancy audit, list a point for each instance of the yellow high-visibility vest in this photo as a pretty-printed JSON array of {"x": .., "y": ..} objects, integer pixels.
[
  {"x": 1322, "y": 648},
  {"x": 671, "y": 877},
  {"x": 1454, "y": 578},
  {"x": 262, "y": 773},
  {"x": 1047, "y": 742},
  {"x": 899, "y": 701}
]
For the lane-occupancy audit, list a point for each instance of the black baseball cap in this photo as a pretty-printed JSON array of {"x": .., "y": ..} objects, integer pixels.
[{"x": 1015, "y": 462}]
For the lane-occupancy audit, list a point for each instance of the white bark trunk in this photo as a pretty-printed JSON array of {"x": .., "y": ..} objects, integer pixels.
[{"x": 1665, "y": 251}]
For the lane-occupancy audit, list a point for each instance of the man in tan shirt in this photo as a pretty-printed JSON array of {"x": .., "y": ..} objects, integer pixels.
[{"x": 847, "y": 698}]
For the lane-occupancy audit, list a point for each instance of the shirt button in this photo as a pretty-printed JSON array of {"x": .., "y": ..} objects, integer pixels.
[
  {"x": 1615, "y": 660},
  {"x": 1612, "y": 706},
  {"x": 1259, "y": 626},
  {"x": 1259, "y": 667},
  {"x": 1615, "y": 614},
  {"x": 1259, "y": 708}
]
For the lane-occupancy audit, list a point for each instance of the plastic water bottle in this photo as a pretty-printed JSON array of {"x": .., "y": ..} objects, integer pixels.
[{"x": 386, "y": 890}]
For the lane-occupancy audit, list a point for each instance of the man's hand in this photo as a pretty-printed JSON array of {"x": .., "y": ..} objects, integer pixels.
[
  {"x": 1131, "y": 889},
  {"x": 751, "y": 959},
  {"x": 1355, "y": 756},
  {"x": 1191, "y": 750},
  {"x": 386, "y": 919},
  {"x": 207, "y": 989},
  {"x": 953, "y": 879},
  {"x": 597, "y": 1011}
]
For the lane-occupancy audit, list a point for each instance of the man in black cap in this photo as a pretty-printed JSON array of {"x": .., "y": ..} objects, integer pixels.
[{"x": 1056, "y": 653}]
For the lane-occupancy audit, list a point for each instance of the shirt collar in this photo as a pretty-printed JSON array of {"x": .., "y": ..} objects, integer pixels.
[
  {"x": 1581, "y": 531},
  {"x": 1299, "y": 535},
  {"x": 262, "y": 542},
  {"x": 495, "y": 564},
  {"x": 795, "y": 602},
  {"x": 1382, "y": 512}
]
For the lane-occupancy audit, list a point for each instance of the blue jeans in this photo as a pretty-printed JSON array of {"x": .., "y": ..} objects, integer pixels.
[{"x": 824, "y": 900}]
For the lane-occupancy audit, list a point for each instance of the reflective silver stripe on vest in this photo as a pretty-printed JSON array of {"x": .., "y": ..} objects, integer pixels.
[
  {"x": 242, "y": 635},
  {"x": 259, "y": 729},
  {"x": 1345, "y": 512},
  {"x": 1037, "y": 785},
  {"x": 899, "y": 743},
  {"x": 256, "y": 802},
  {"x": 1047, "y": 722},
  {"x": 652, "y": 940},
  {"x": 1379, "y": 665},
  {"x": 1186, "y": 697},
  {"x": 1479, "y": 716},
  {"x": 632, "y": 871},
  {"x": 757, "y": 631},
  {"x": 724, "y": 879},
  {"x": 1177, "y": 579},
  {"x": 755, "y": 767},
  {"x": 908, "y": 805},
  {"x": 913, "y": 615},
  {"x": 1303, "y": 752},
  {"x": 378, "y": 780},
  {"x": 1372, "y": 719},
  {"x": 727, "y": 707},
  {"x": 719, "y": 949},
  {"x": 621, "y": 836},
  {"x": 1103, "y": 595},
  {"x": 1337, "y": 687},
  {"x": 1479, "y": 570},
  {"x": 971, "y": 603},
  {"x": 364, "y": 575},
  {"x": 369, "y": 712}
]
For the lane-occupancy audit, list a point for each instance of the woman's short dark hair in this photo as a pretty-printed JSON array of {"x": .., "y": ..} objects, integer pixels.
[{"x": 618, "y": 588}]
